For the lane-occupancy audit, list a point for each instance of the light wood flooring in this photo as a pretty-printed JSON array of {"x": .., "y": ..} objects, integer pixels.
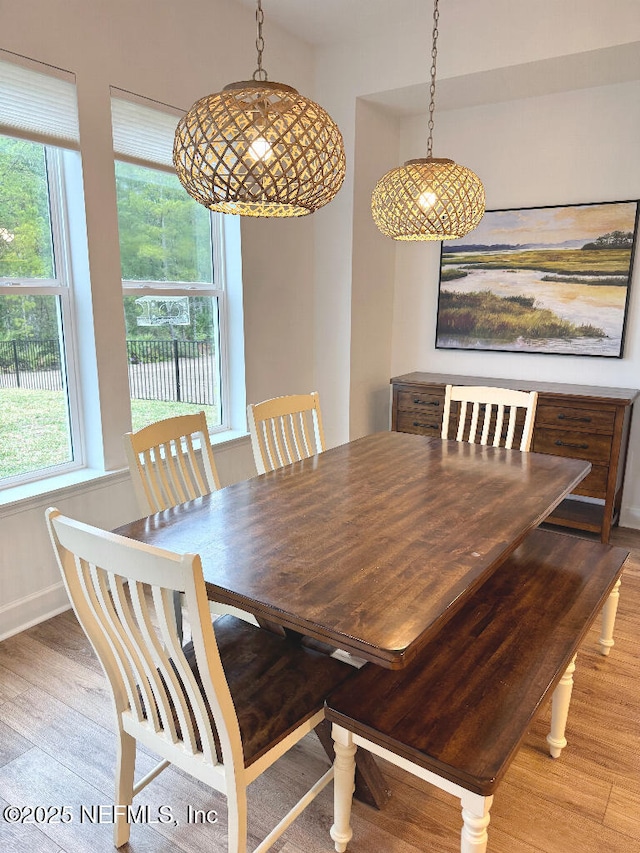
[{"x": 57, "y": 749}]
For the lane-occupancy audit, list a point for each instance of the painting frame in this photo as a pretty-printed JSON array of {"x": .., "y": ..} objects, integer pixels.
[{"x": 552, "y": 280}]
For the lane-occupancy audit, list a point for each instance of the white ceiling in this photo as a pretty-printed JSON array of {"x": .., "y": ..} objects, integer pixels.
[
  {"x": 618, "y": 64},
  {"x": 323, "y": 22}
]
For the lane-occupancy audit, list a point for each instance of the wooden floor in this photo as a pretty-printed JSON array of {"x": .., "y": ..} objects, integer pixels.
[{"x": 56, "y": 749}]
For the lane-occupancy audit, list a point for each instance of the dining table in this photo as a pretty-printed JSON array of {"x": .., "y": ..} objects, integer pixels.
[{"x": 369, "y": 547}]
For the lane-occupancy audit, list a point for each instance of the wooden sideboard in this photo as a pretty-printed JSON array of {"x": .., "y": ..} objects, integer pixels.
[{"x": 581, "y": 421}]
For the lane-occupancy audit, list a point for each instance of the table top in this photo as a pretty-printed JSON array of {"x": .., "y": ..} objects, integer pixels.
[{"x": 370, "y": 546}]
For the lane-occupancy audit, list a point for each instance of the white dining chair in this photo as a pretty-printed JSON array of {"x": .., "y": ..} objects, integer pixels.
[
  {"x": 164, "y": 464},
  {"x": 285, "y": 430},
  {"x": 489, "y": 416},
  {"x": 223, "y": 708},
  {"x": 171, "y": 462}
]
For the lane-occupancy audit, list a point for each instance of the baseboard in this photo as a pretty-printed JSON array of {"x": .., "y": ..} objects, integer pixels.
[
  {"x": 630, "y": 517},
  {"x": 32, "y": 609}
]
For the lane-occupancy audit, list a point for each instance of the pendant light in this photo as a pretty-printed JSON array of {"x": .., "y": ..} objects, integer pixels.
[
  {"x": 430, "y": 198},
  {"x": 259, "y": 148}
]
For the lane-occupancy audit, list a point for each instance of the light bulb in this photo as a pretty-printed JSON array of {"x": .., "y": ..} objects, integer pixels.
[
  {"x": 427, "y": 200},
  {"x": 260, "y": 149}
]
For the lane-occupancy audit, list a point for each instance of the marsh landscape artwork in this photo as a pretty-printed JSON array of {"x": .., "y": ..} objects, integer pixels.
[{"x": 545, "y": 280}]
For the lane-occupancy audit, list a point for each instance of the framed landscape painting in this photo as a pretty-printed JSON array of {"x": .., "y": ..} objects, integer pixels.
[{"x": 540, "y": 279}]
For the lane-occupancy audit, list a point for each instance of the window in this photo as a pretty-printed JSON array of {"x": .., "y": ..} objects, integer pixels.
[
  {"x": 172, "y": 276},
  {"x": 39, "y": 430}
]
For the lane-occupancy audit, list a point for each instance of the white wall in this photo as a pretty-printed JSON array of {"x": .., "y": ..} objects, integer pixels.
[{"x": 173, "y": 53}]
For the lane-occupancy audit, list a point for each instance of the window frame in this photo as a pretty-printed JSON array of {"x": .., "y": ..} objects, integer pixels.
[{"x": 61, "y": 286}]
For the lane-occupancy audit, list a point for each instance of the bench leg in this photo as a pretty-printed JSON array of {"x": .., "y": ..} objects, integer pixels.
[
  {"x": 609, "y": 618},
  {"x": 560, "y": 711},
  {"x": 475, "y": 816},
  {"x": 344, "y": 768}
]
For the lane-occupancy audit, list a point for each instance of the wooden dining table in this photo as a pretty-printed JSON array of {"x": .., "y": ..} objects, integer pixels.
[{"x": 370, "y": 546}]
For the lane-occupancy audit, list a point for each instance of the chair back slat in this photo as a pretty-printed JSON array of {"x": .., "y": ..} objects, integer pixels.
[
  {"x": 490, "y": 409},
  {"x": 499, "y": 425},
  {"x": 148, "y": 475},
  {"x": 462, "y": 422},
  {"x": 285, "y": 430},
  {"x": 473, "y": 430},
  {"x": 302, "y": 436},
  {"x": 178, "y": 488},
  {"x": 511, "y": 428},
  {"x": 292, "y": 449},
  {"x": 166, "y": 468},
  {"x": 272, "y": 444},
  {"x": 486, "y": 423}
]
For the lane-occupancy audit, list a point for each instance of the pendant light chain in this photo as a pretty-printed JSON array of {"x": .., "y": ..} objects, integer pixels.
[
  {"x": 432, "y": 90},
  {"x": 259, "y": 73}
]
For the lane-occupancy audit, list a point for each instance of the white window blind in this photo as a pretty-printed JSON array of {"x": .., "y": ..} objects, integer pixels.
[
  {"x": 38, "y": 104},
  {"x": 143, "y": 134}
]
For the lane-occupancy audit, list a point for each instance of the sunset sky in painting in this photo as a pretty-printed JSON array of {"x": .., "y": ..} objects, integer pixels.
[{"x": 551, "y": 224}]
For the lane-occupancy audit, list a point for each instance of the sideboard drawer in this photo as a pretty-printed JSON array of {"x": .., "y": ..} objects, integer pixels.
[
  {"x": 574, "y": 418},
  {"x": 421, "y": 423},
  {"x": 428, "y": 401},
  {"x": 560, "y": 442}
]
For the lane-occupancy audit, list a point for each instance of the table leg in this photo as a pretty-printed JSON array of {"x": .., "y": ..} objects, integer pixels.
[
  {"x": 608, "y": 619},
  {"x": 475, "y": 817},
  {"x": 560, "y": 711},
  {"x": 344, "y": 767},
  {"x": 371, "y": 787}
]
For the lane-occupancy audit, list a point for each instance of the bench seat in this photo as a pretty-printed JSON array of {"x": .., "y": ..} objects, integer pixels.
[{"x": 458, "y": 712}]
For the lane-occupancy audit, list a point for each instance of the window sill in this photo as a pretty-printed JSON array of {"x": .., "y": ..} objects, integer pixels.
[
  {"x": 228, "y": 437},
  {"x": 33, "y": 494}
]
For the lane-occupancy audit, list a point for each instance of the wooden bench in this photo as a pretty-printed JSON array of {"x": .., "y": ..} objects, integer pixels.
[{"x": 457, "y": 714}]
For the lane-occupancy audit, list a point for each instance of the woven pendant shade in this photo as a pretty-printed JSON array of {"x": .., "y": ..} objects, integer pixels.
[
  {"x": 259, "y": 149},
  {"x": 428, "y": 199}
]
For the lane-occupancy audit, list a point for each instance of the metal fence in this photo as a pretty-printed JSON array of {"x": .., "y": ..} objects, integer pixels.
[
  {"x": 30, "y": 364},
  {"x": 172, "y": 371}
]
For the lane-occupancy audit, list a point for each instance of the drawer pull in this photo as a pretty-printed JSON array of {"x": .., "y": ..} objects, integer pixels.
[
  {"x": 569, "y": 444},
  {"x": 426, "y": 402},
  {"x": 425, "y": 426},
  {"x": 574, "y": 418}
]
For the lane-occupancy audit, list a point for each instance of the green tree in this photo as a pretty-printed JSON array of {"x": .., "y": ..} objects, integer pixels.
[
  {"x": 25, "y": 240},
  {"x": 25, "y": 249},
  {"x": 165, "y": 236}
]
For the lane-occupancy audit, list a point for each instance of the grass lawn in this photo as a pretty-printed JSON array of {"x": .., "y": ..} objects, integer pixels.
[{"x": 33, "y": 427}]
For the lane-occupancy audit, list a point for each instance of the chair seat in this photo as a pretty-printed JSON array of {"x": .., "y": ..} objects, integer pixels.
[{"x": 275, "y": 683}]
